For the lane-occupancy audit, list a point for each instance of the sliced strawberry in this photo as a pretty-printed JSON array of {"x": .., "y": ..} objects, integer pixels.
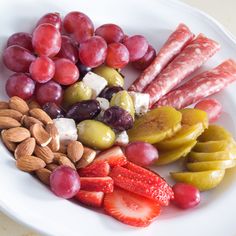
[
  {"x": 97, "y": 184},
  {"x": 98, "y": 169},
  {"x": 130, "y": 208},
  {"x": 94, "y": 199},
  {"x": 157, "y": 190},
  {"x": 114, "y": 156}
]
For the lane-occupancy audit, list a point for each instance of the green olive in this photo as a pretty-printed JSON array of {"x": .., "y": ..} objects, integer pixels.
[
  {"x": 76, "y": 93},
  {"x": 123, "y": 100},
  {"x": 112, "y": 76},
  {"x": 95, "y": 134}
]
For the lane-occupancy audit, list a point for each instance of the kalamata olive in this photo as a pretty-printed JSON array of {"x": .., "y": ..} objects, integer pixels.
[
  {"x": 118, "y": 118},
  {"x": 84, "y": 110},
  {"x": 53, "y": 110},
  {"x": 108, "y": 92},
  {"x": 83, "y": 70}
]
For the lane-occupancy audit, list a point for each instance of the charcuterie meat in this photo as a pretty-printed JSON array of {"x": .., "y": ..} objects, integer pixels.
[
  {"x": 175, "y": 43},
  {"x": 190, "y": 59},
  {"x": 202, "y": 85}
]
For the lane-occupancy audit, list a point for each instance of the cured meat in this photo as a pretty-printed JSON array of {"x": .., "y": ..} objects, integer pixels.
[
  {"x": 175, "y": 43},
  {"x": 202, "y": 85},
  {"x": 190, "y": 59}
]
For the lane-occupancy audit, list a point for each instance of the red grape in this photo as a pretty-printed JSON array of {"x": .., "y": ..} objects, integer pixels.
[
  {"x": 51, "y": 18},
  {"x": 68, "y": 49},
  {"x": 66, "y": 72},
  {"x": 137, "y": 46},
  {"x": 48, "y": 92},
  {"x": 146, "y": 60},
  {"x": 78, "y": 24},
  {"x": 212, "y": 107},
  {"x": 185, "y": 195},
  {"x": 46, "y": 40},
  {"x": 21, "y": 39},
  {"x": 117, "y": 55},
  {"x": 65, "y": 182},
  {"x": 21, "y": 85},
  {"x": 42, "y": 69},
  {"x": 141, "y": 153},
  {"x": 93, "y": 52},
  {"x": 17, "y": 58},
  {"x": 110, "y": 32}
]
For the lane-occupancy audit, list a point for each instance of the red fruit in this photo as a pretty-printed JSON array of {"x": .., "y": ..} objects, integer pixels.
[
  {"x": 212, "y": 107},
  {"x": 97, "y": 184},
  {"x": 66, "y": 72},
  {"x": 51, "y": 18},
  {"x": 130, "y": 208},
  {"x": 114, "y": 156},
  {"x": 97, "y": 169},
  {"x": 186, "y": 196},
  {"x": 46, "y": 40},
  {"x": 93, "y": 199},
  {"x": 42, "y": 69},
  {"x": 117, "y": 55},
  {"x": 155, "y": 189}
]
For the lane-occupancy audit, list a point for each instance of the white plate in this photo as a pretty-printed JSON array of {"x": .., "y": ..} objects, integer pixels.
[{"x": 25, "y": 199}]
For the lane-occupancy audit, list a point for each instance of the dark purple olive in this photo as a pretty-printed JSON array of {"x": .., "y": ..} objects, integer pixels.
[
  {"x": 118, "y": 118},
  {"x": 53, "y": 110},
  {"x": 84, "y": 110},
  {"x": 108, "y": 92},
  {"x": 83, "y": 70}
]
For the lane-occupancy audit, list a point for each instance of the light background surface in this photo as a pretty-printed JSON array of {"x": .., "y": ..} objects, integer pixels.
[{"x": 223, "y": 11}]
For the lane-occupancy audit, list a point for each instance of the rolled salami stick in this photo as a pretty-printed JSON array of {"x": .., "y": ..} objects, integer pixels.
[
  {"x": 175, "y": 43},
  {"x": 201, "y": 86}
]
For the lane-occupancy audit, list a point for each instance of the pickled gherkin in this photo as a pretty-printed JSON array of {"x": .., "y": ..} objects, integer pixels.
[{"x": 212, "y": 146}]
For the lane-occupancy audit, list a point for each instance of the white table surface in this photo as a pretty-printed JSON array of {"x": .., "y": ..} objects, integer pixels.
[{"x": 223, "y": 11}]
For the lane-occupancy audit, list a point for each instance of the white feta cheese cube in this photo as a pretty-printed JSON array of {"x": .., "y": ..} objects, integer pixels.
[
  {"x": 96, "y": 82},
  {"x": 122, "y": 138},
  {"x": 104, "y": 104},
  {"x": 66, "y": 128},
  {"x": 141, "y": 102}
]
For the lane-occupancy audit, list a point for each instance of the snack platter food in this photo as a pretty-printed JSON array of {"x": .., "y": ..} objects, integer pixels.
[{"x": 113, "y": 177}]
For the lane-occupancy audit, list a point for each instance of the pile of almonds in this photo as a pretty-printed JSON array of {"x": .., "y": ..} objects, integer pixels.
[{"x": 30, "y": 134}]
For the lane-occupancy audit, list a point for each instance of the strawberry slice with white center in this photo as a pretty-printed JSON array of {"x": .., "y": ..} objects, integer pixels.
[
  {"x": 93, "y": 199},
  {"x": 114, "y": 156},
  {"x": 130, "y": 208}
]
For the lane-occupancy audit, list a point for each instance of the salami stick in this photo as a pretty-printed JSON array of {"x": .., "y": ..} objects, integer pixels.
[
  {"x": 175, "y": 43},
  {"x": 190, "y": 59},
  {"x": 202, "y": 85}
]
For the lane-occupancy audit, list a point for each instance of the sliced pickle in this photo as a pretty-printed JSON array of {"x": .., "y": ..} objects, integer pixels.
[
  {"x": 204, "y": 180},
  {"x": 213, "y": 146}
]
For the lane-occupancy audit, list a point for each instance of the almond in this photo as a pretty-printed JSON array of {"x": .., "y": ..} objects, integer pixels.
[
  {"x": 28, "y": 121},
  {"x": 33, "y": 104},
  {"x": 63, "y": 147},
  {"x": 87, "y": 158},
  {"x": 45, "y": 153},
  {"x": 64, "y": 160},
  {"x": 51, "y": 166},
  {"x": 75, "y": 150},
  {"x": 4, "y": 105},
  {"x": 40, "y": 134},
  {"x": 44, "y": 175},
  {"x": 18, "y": 104},
  {"x": 10, "y": 145},
  {"x": 8, "y": 122},
  {"x": 30, "y": 163},
  {"x": 41, "y": 115},
  {"x": 58, "y": 154},
  {"x": 17, "y": 134},
  {"x": 11, "y": 113},
  {"x": 25, "y": 148},
  {"x": 53, "y": 132}
]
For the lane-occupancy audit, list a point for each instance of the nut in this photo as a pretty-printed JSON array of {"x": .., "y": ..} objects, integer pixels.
[
  {"x": 19, "y": 104},
  {"x": 30, "y": 163},
  {"x": 40, "y": 134},
  {"x": 11, "y": 113},
  {"x": 33, "y": 104},
  {"x": 87, "y": 158},
  {"x": 41, "y": 115},
  {"x": 17, "y": 134},
  {"x": 44, "y": 175},
  {"x": 28, "y": 121},
  {"x": 75, "y": 150},
  {"x": 63, "y": 147},
  {"x": 64, "y": 160},
  {"x": 8, "y": 122},
  {"x": 4, "y": 105},
  {"x": 25, "y": 148},
  {"x": 10, "y": 145},
  {"x": 51, "y": 166},
  {"x": 53, "y": 132},
  {"x": 45, "y": 153}
]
